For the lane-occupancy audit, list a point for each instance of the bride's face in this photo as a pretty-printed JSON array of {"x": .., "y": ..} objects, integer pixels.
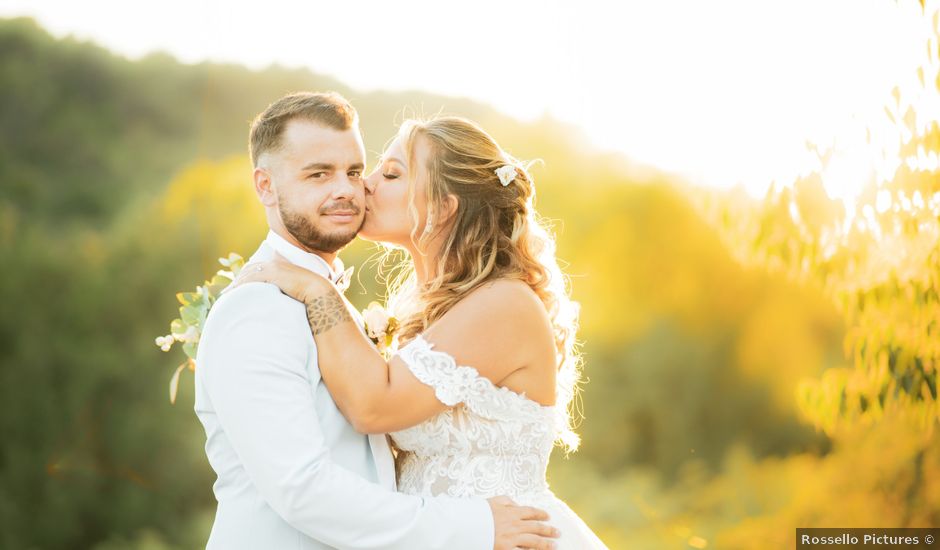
[{"x": 387, "y": 195}]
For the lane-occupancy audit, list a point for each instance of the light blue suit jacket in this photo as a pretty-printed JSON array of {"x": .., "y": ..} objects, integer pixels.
[{"x": 292, "y": 472}]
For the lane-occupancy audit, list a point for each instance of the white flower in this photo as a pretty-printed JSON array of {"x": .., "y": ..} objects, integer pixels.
[
  {"x": 506, "y": 173},
  {"x": 376, "y": 320},
  {"x": 165, "y": 342}
]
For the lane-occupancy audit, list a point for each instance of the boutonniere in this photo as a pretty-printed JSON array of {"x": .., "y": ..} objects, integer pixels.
[
  {"x": 194, "y": 309},
  {"x": 380, "y": 327}
]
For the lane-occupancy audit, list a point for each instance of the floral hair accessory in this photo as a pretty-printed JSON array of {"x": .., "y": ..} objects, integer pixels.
[{"x": 506, "y": 173}]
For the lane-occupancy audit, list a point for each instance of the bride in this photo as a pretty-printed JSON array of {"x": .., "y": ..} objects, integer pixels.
[{"x": 481, "y": 388}]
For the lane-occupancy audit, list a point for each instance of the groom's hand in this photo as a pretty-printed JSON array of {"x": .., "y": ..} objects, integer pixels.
[{"x": 520, "y": 526}]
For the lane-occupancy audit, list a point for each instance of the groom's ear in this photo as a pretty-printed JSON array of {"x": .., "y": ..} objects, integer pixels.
[{"x": 264, "y": 187}]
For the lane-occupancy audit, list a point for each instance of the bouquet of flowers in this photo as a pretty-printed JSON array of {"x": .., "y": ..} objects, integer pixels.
[
  {"x": 380, "y": 326},
  {"x": 193, "y": 312}
]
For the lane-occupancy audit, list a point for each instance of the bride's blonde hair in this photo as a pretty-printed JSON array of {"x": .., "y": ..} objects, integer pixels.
[{"x": 496, "y": 234}]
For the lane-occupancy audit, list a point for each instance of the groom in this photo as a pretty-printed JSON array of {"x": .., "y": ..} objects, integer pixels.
[{"x": 292, "y": 472}]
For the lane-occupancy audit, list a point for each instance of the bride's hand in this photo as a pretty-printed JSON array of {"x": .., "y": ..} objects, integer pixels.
[{"x": 294, "y": 281}]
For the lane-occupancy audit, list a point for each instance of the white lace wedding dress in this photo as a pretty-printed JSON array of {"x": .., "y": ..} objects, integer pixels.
[{"x": 492, "y": 442}]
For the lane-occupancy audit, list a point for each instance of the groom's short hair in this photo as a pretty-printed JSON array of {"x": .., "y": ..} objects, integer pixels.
[{"x": 327, "y": 108}]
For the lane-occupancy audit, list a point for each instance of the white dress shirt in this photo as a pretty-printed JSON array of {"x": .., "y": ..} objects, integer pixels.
[{"x": 292, "y": 472}]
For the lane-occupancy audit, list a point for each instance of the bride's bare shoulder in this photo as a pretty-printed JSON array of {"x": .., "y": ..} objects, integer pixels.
[
  {"x": 505, "y": 294},
  {"x": 501, "y": 308},
  {"x": 500, "y": 328}
]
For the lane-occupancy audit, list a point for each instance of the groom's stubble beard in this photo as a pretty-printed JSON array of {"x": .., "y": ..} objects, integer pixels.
[{"x": 308, "y": 234}]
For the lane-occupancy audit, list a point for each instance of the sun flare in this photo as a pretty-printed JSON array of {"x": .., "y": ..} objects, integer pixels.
[{"x": 723, "y": 93}]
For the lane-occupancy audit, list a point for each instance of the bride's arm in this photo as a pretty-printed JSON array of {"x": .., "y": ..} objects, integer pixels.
[{"x": 379, "y": 396}]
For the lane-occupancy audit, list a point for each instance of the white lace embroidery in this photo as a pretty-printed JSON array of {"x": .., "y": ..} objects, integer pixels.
[{"x": 492, "y": 442}]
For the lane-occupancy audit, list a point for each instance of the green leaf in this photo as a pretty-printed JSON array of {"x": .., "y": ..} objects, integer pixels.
[
  {"x": 237, "y": 263},
  {"x": 216, "y": 288},
  {"x": 190, "y": 315},
  {"x": 189, "y": 348},
  {"x": 186, "y": 298},
  {"x": 231, "y": 260}
]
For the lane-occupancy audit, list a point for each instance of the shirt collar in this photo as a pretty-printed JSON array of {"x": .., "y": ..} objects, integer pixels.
[{"x": 304, "y": 259}]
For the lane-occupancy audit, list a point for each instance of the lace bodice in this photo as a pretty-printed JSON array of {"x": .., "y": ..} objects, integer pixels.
[{"x": 493, "y": 441}]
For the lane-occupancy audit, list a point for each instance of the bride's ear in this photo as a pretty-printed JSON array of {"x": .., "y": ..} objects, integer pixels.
[
  {"x": 451, "y": 202},
  {"x": 264, "y": 187}
]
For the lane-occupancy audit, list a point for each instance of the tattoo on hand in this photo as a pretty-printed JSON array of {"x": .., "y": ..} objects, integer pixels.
[{"x": 325, "y": 312}]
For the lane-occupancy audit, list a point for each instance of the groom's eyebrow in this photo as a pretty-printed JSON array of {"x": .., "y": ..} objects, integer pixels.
[{"x": 330, "y": 167}]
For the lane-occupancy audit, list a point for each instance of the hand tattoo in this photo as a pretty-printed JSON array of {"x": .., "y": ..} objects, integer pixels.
[{"x": 325, "y": 312}]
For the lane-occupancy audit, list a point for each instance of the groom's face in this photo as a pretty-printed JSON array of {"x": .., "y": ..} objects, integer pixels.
[{"x": 316, "y": 177}]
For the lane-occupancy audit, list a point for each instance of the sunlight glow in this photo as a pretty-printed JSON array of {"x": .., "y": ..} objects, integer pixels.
[{"x": 723, "y": 93}]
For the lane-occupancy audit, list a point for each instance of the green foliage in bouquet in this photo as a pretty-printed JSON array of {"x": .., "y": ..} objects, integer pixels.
[{"x": 187, "y": 329}]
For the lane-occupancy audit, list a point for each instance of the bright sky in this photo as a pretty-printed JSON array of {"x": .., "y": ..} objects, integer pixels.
[{"x": 723, "y": 92}]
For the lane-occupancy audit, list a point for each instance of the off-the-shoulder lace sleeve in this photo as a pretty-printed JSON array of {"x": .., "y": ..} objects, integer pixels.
[
  {"x": 437, "y": 369},
  {"x": 454, "y": 384}
]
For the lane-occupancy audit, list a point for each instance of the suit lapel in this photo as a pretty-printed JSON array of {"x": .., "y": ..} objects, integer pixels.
[{"x": 384, "y": 462}]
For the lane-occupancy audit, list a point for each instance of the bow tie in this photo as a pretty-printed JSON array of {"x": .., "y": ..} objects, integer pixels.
[{"x": 342, "y": 280}]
